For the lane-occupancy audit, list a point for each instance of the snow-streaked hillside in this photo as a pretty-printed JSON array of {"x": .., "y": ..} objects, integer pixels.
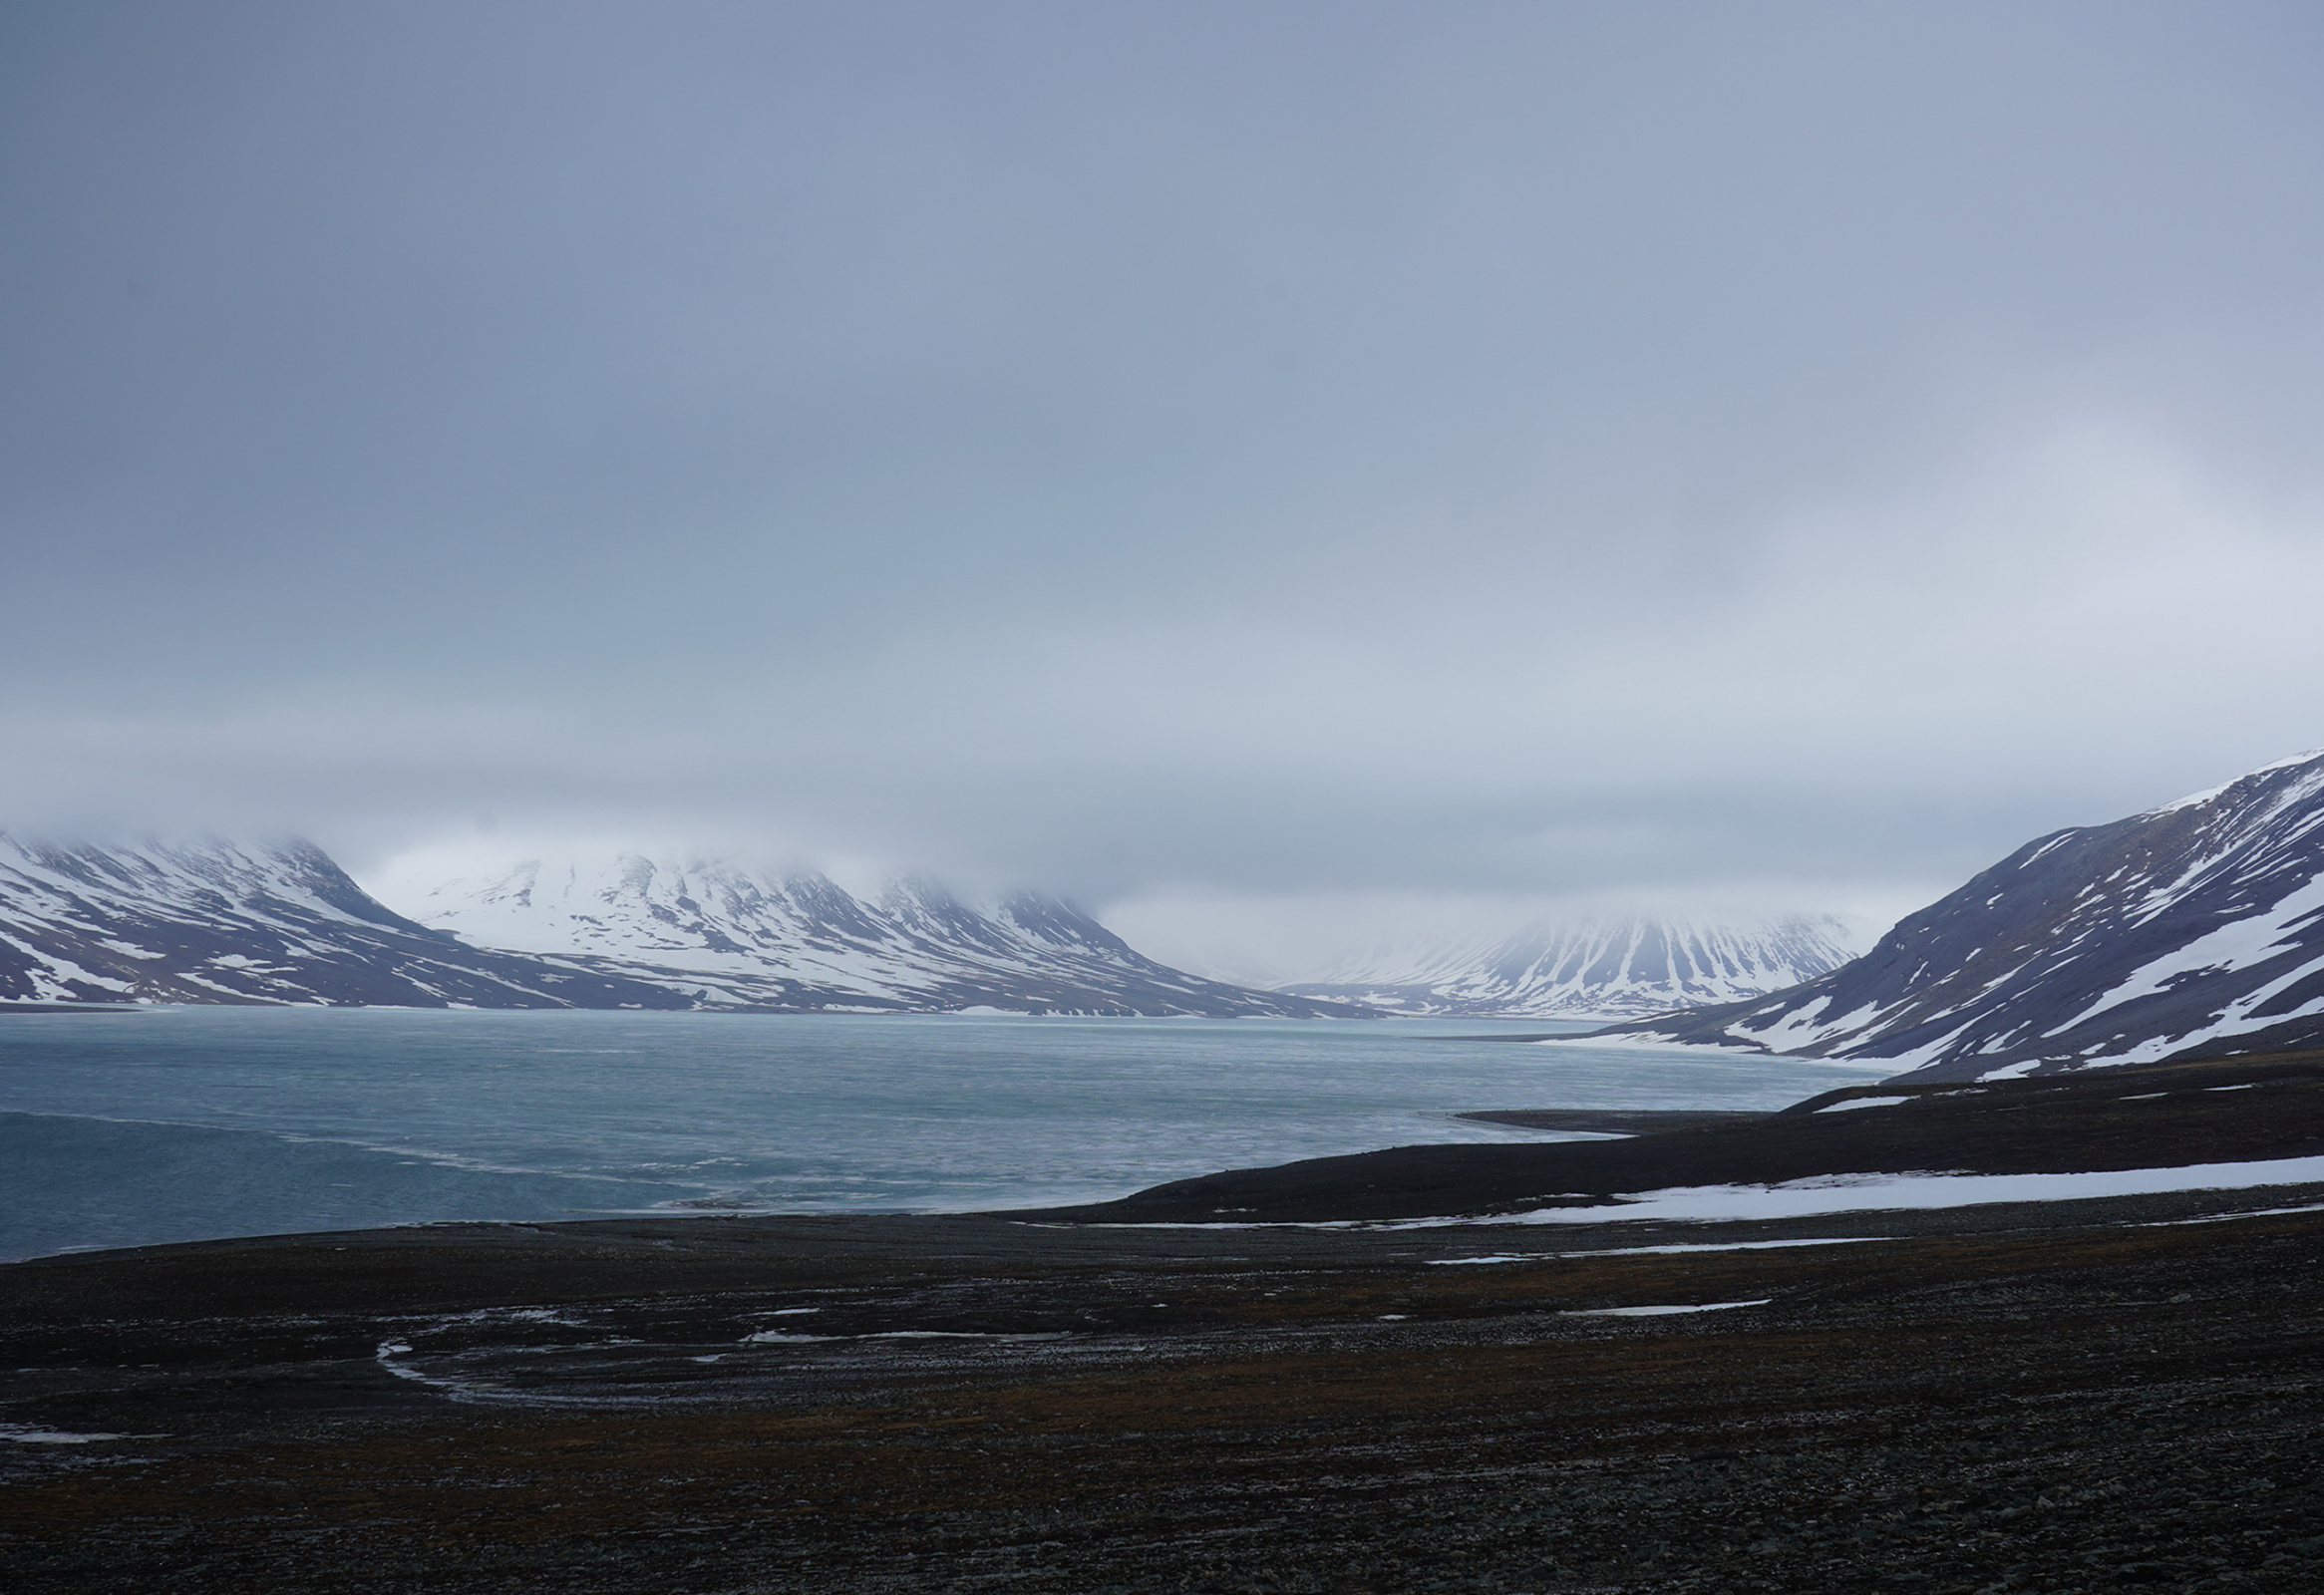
[
  {"x": 1604, "y": 966},
  {"x": 728, "y": 935},
  {"x": 2193, "y": 929},
  {"x": 211, "y": 921}
]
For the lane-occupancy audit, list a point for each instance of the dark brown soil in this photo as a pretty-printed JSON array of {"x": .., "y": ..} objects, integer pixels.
[{"x": 2056, "y": 1397}]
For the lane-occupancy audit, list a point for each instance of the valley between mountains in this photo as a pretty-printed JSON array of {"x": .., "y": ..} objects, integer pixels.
[
  {"x": 219, "y": 921},
  {"x": 2190, "y": 930},
  {"x": 2193, "y": 929}
]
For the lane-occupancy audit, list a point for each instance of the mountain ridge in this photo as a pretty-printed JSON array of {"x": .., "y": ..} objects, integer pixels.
[
  {"x": 734, "y": 935},
  {"x": 213, "y": 920},
  {"x": 2193, "y": 929}
]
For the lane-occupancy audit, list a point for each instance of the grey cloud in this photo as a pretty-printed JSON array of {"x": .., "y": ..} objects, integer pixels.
[{"x": 1291, "y": 447}]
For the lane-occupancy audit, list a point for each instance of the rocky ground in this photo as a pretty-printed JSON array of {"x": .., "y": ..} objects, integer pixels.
[{"x": 2049, "y": 1397}]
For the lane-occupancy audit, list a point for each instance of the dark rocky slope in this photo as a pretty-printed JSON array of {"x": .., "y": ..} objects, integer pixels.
[{"x": 2193, "y": 930}]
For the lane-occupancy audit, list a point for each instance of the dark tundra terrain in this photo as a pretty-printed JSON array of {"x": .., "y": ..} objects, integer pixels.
[{"x": 2075, "y": 1396}]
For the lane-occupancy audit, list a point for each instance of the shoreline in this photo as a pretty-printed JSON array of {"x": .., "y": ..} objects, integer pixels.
[
  {"x": 2048, "y": 1395},
  {"x": 2157, "y": 1117},
  {"x": 1618, "y": 1122}
]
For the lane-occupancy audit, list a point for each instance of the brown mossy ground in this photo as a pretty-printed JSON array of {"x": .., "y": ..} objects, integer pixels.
[{"x": 2064, "y": 1397}]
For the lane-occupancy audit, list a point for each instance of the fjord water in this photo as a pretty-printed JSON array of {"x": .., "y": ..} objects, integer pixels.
[{"x": 187, "y": 1124}]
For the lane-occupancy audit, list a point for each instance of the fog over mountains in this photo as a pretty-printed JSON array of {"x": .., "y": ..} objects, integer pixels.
[
  {"x": 729, "y": 935},
  {"x": 2193, "y": 929},
  {"x": 221, "y": 921},
  {"x": 228, "y": 922},
  {"x": 1600, "y": 965}
]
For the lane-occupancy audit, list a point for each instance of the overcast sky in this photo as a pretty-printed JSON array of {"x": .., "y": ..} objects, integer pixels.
[{"x": 1145, "y": 450}]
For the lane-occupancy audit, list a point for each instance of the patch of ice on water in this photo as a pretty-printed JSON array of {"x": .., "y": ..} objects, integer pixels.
[{"x": 1657, "y": 1312}]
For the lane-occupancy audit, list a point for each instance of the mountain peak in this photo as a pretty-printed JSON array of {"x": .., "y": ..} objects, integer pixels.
[
  {"x": 2313, "y": 756},
  {"x": 2188, "y": 930}
]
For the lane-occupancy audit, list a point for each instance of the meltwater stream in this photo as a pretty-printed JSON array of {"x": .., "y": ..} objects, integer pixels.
[{"x": 187, "y": 1123}]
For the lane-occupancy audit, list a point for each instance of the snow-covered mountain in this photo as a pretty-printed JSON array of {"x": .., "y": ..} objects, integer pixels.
[
  {"x": 728, "y": 935},
  {"x": 220, "y": 922},
  {"x": 2191, "y": 930},
  {"x": 1608, "y": 966},
  {"x": 215, "y": 922}
]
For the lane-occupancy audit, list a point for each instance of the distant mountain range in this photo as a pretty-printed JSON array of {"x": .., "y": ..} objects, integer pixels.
[
  {"x": 2195, "y": 929},
  {"x": 1608, "y": 966},
  {"x": 228, "y": 922},
  {"x": 2191, "y": 930}
]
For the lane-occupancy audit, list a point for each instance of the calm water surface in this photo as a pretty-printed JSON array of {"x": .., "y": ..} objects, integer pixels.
[{"x": 183, "y": 1123}]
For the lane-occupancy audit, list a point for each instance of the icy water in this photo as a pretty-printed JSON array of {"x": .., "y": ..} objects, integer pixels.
[{"x": 187, "y": 1124}]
